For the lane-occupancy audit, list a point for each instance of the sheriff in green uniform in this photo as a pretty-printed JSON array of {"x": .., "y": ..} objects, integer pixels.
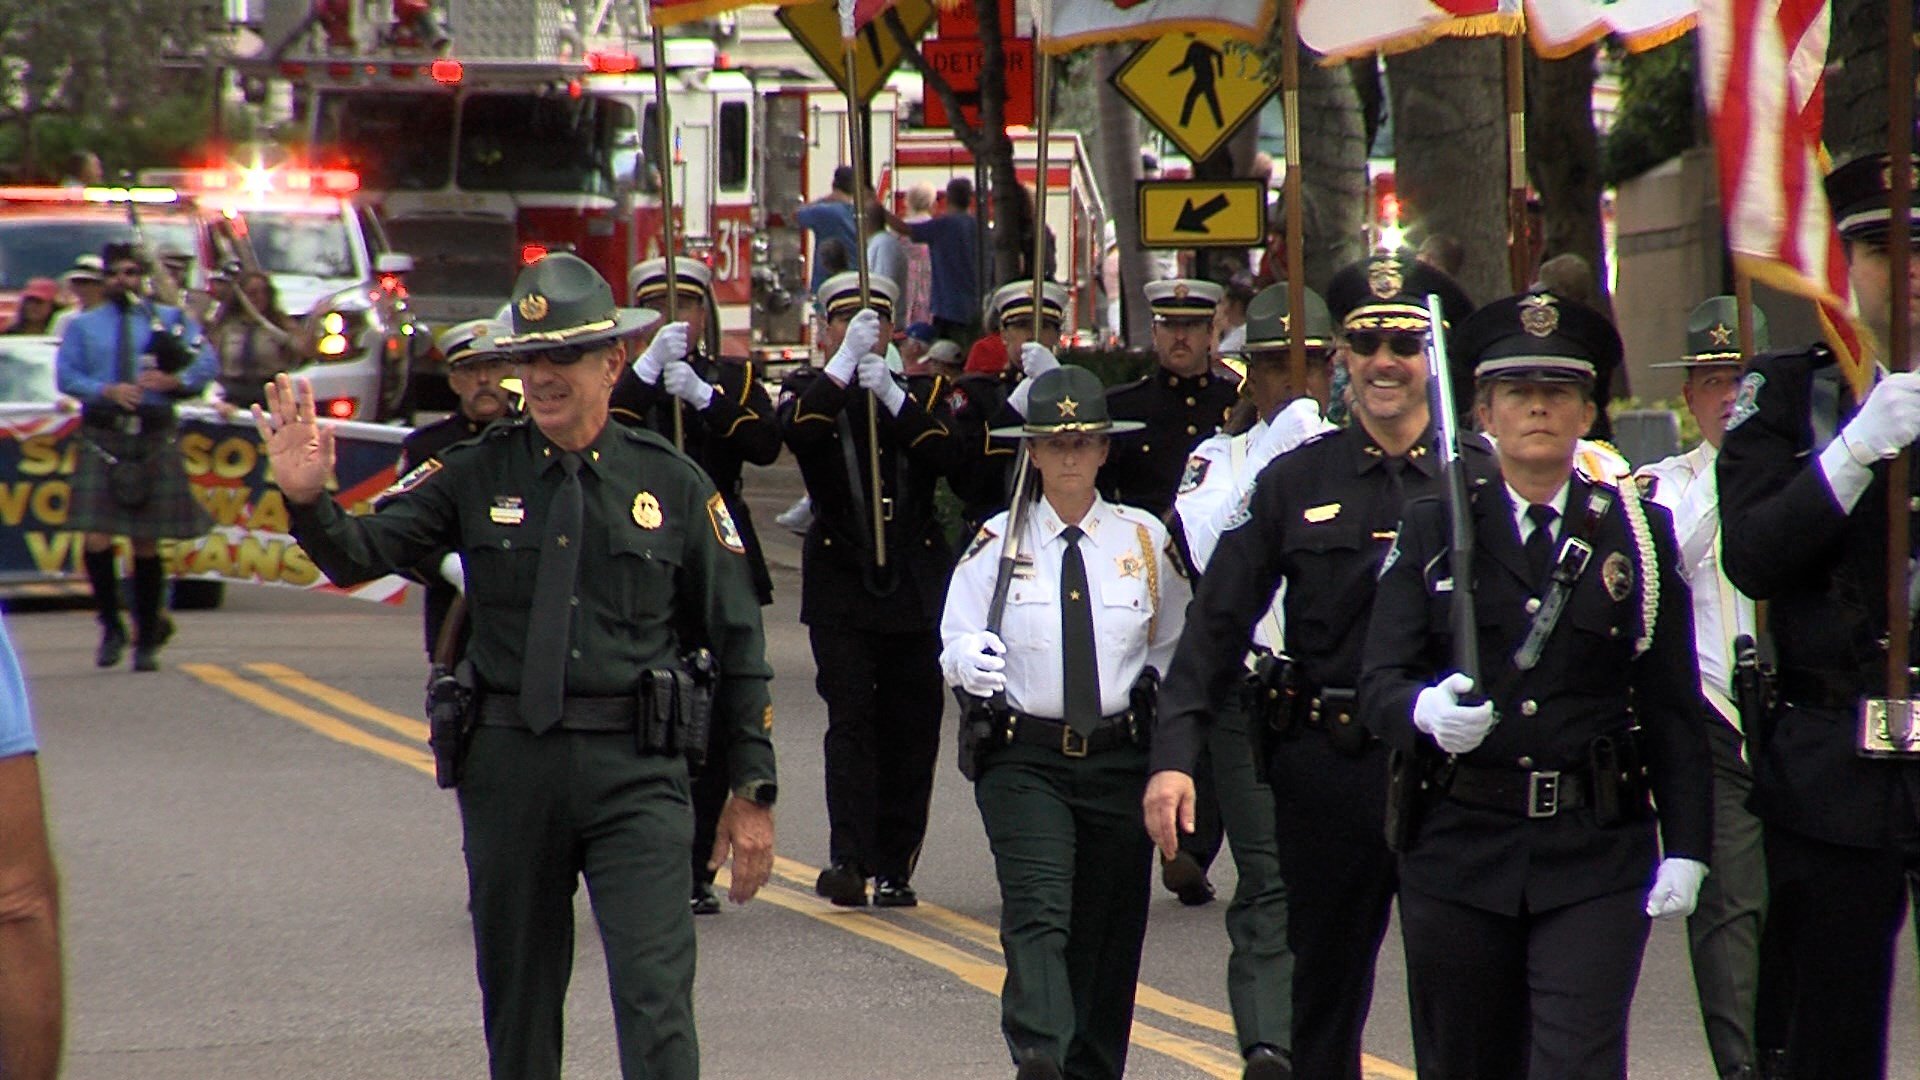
[{"x": 595, "y": 555}]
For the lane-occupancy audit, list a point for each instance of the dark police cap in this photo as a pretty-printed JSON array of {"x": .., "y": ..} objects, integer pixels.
[
  {"x": 1859, "y": 194},
  {"x": 1270, "y": 327},
  {"x": 1538, "y": 337},
  {"x": 562, "y": 301},
  {"x": 1388, "y": 292},
  {"x": 1067, "y": 399}
]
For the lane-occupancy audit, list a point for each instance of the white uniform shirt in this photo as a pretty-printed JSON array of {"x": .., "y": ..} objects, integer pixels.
[
  {"x": 1125, "y": 552},
  {"x": 1686, "y": 486}
]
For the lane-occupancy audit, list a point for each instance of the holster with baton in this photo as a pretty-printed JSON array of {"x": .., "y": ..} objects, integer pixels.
[{"x": 453, "y": 706}]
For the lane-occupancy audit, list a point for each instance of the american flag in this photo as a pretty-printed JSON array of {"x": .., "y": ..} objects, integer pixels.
[{"x": 1763, "y": 68}]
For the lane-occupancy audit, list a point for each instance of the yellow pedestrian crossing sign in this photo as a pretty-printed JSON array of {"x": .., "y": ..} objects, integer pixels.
[
  {"x": 1202, "y": 213},
  {"x": 816, "y": 26},
  {"x": 1198, "y": 87}
]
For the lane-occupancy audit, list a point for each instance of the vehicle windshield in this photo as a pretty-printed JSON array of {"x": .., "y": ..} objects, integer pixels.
[
  {"x": 316, "y": 245},
  {"x": 533, "y": 142},
  {"x": 395, "y": 140},
  {"x": 46, "y": 247}
]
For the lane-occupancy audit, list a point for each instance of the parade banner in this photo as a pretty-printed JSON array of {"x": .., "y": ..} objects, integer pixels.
[
  {"x": 1563, "y": 27},
  {"x": 1074, "y": 24},
  {"x": 249, "y": 542},
  {"x": 1339, "y": 29}
]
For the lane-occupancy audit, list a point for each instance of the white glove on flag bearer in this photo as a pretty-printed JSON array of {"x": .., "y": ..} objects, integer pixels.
[
  {"x": 1457, "y": 728},
  {"x": 1676, "y": 888}
]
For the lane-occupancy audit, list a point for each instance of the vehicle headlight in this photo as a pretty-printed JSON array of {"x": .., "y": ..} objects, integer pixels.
[{"x": 339, "y": 330}]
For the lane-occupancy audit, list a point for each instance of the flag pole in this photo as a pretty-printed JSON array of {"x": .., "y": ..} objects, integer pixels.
[
  {"x": 1518, "y": 248},
  {"x": 663, "y": 122},
  {"x": 1043, "y": 100},
  {"x": 1899, "y": 345},
  {"x": 1295, "y": 199},
  {"x": 1743, "y": 312},
  {"x": 856, "y": 143}
]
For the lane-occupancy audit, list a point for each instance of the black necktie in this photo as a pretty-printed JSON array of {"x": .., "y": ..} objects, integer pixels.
[
  {"x": 1539, "y": 545},
  {"x": 1081, "y": 664},
  {"x": 543, "y": 664}
]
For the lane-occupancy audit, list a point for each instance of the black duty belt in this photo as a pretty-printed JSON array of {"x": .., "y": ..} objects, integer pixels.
[
  {"x": 576, "y": 713},
  {"x": 1331, "y": 709},
  {"x": 1115, "y": 730},
  {"x": 1540, "y": 793},
  {"x": 1816, "y": 689}
]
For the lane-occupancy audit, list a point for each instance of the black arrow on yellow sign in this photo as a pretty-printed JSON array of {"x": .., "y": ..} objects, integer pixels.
[{"x": 1194, "y": 218}]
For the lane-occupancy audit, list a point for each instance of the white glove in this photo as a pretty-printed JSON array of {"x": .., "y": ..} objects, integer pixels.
[
  {"x": 863, "y": 335},
  {"x": 978, "y": 664},
  {"x": 1293, "y": 425},
  {"x": 1676, "y": 888},
  {"x": 1890, "y": 419},
  {"x": 875, "y": 377},
  {"x": 1036, "y": 359},
  {"x": 454, "y": 573},
  {"x": 668, "y": 344},
  {"x": 1457, "y": 728},
  {"x": 686, "y": 384}
]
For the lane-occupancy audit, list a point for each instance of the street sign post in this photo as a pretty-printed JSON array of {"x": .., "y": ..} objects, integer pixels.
[
  {"x": 816, "y": 26},
  {"x": 1198, "y": 88},
  {"x": 1202, "y": 213},
  {"x": 959, "y": 60}
]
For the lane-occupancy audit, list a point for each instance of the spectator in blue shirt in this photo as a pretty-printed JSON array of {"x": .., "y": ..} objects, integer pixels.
[
  {"x": 831, "y": 219},
  {"x": 950, "y": 245},
  {"x": 30, "y": 996}
]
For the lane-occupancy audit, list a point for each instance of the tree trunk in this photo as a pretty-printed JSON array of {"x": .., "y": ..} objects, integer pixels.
[
  {"x": 1333, "y": 153},
  {"x": 1116, "y": 152},
  {"x": 1450, "y": 150},
  {"x": 1856, "y": 118},
  {"x": 1563, "y": 160}
]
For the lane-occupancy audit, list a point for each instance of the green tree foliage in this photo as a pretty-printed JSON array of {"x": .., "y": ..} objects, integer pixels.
[{"x": 1655, "y": 118}]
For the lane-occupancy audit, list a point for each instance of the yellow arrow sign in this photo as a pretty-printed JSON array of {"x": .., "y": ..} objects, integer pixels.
[
  {"x": 816, "y": 26},
  {"x": 1202, "y": 213},
  {"x": 1197, "y": 87}
]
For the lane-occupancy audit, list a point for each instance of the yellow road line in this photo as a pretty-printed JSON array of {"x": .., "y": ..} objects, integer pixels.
[
  {"x": 254, "y": 694},
  {"x": 341, "y": 701}
]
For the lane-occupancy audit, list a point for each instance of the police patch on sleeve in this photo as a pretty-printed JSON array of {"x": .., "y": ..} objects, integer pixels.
[
  {"x": 1747, "y": 401},
  {"x": 980, "y": 541},
  {"x": 723, "y": 527},
  {"x": 1242, "y": 513},
  {"x": 1196, "y": 473},
  {"x": 412, "y": 480}
]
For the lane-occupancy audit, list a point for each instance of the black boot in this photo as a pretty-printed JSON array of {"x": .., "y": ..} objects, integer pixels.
[
  {"x": 103, "y": 574},
  {"x": 151, "y": 622}
]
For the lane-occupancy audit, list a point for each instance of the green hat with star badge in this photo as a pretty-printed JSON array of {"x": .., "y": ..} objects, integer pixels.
[
  {"x": 1713, "y": 335},
  {"x": 1269, "y": 327},
  {"x": 562, "y": 302},
  {"x": 1065, "y": 400}
]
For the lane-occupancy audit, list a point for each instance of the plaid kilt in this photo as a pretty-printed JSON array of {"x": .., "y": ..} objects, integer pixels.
[{"x": 170, "y": 512}]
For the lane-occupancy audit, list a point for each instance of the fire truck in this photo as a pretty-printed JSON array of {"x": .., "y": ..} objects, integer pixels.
[{"x": 507, "y": 133}]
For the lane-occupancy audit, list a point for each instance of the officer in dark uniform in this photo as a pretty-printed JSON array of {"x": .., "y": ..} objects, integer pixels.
[
  {"x": 873, "y": 628},
  {"x": 727, "y": 421},
  {"x": 1183, "y": 401},
  {"x": 1524, "y": 888},
  {"x": 1319, "y": 519},
  {"x": 1803, "y": 506},
  {"x": 597, "y": 554},
  {"x": 980, "y": 400},
  {"x": 475, "y": 369}
]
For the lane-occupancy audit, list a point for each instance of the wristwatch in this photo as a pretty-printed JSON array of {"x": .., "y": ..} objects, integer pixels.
[{"x": 760, "y": 793}]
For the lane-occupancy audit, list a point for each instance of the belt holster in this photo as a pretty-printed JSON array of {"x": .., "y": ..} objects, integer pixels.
[
  {"x": 1143, "y": 706},
  {"x": 1619, "y": 777},
  {"x": 983, "y": 725},
  {"x": 452, "y": 709}
]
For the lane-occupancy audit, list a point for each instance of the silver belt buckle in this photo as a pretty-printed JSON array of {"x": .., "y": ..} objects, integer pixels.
[
  {"x": 1888, "y": 728},
  {"x": 1543, "y": 793}
]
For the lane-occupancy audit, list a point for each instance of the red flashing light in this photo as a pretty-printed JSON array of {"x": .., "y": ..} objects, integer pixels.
[
  {"x": 612, "y": 63},
  {"x": 389, "y": 283},
  {"x": 722, "y": 61},
  {"x": 574, "y": 89},
  {"x": 341, "y": 72},
  {"x": 1389, "y": 209},
  {"x": 342, "y": 408},
  {"x": 532, "y": 253},
  {"x": 447, "y": 71},
  {"x": 291, "y": 70}
]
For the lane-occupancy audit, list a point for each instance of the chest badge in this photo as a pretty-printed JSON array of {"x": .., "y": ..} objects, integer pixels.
[
  {"x": 507, "y": 510},
  {"x": 646, "y": 511},
  {"x": 1617, "y": 573},
  {"x": 1317, "y": 515},
  {"x": 1130, "y": 564}
]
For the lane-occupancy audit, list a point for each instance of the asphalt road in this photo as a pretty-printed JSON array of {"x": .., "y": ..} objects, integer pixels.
[{"x": 262, "y": 881}]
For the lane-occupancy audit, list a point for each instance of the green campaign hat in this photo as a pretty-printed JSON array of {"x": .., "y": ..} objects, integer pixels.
[
  {"x": 1067, "y": 399},
  {"x": 1269, "y": 327},
  {"x": 561, "y": 300},
  {"x": 1713, "y": 335}
]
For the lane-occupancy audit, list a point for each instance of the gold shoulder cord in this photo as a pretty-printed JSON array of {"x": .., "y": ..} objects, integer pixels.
[{"x": 1145, "y": 539}]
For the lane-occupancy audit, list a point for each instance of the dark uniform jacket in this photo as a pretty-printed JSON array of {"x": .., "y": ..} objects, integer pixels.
[
  {"x": 1823, "y": 574},
  {"x": 825, "y": 425},
  {"x": 978, "y": 403},
  {"x": 658, "y": 553},
  {"x": 1322, "y": 518},
  {"x": 737, "y": 427},
  {"x": 1143, "y": 468},
  {"x": 1588, "y": 683},
  {"x": 420, "y": 445}
]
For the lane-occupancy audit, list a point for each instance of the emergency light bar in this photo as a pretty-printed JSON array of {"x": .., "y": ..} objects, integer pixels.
[
  {"x": 89, "y": 194},
  {"x": 250, "y": 180}
]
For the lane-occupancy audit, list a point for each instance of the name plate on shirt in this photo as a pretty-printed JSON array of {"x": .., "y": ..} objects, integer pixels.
[{"x": 1889, "y": 727}]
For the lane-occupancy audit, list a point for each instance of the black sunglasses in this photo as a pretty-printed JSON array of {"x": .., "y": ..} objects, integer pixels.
[
  {"x": 561, "y": 356},
  {"x": 1367, "y": 342}
]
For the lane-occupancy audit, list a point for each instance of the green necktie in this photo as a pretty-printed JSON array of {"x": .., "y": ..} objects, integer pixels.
[
  {"x": 1081, "y": 664},
  {"x": 543, "y": 664}
]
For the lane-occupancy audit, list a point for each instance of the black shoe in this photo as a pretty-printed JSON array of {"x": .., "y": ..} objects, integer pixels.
[
  {"x": 705, "y": 900},
  {"x": 1267, "y": 1063},
  {"x": 844, "y": 884},
  {"x": 894, "y": 892},
  {"x": 163, "y": 633},
  {"x": 1773, "y": 1065},
  {"x": 113, "y": 645},
  {"x": 1183, "y": 878},
  {"x": 1038, "y": 1068},
  {"x": 146, "y": 658}
]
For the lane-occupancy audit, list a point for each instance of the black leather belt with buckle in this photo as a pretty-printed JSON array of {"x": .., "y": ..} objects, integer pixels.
[
  {"x": 576, "y": 713},
  {"x": 1112, "y": 731},
  {"x": 1540, "y": 793}
]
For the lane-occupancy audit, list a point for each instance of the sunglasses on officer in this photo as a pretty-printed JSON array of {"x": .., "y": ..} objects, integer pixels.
[
  {"x": 559, "y": 356},
  {"x": 1402, "y": 344}
]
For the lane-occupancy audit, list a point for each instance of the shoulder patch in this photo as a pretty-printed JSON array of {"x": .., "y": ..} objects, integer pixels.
[
  {"x": 1196, "y": 473},
  {"x": 980, "y": 541},
  {"x": 1747, "y": 401},
  {"x": 1242, "y": 513},
  {"x": 723, "y": 527},
  {"x": 419, "y": 475}
]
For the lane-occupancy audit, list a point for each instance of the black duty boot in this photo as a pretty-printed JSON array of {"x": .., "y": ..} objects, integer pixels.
[
  {"x": 844, "y": 884},
  {"x": 104, "y": 575},
  {"x": 1265, "y": 1062},
  {"x": 705, "y": 900},
  {"x": 152, "y": 624},
  {"x": 894, "y": 892}
]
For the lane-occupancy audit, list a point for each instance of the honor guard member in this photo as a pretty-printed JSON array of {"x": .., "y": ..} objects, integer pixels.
[
  {"x": 727, "y": 421},
  {"x": 1092, "y": 613},
  {"x": 874, "y": 629},
  {"x": 596, "y": 558},
  {"x": 982, "y": 400},
  {"x": 1803, "y": 505},
  {"x": 1524, "y": 888},
  {"x": 1723, "y": 933},
  {"x": 1319, "y": 521},
  {"x": 475, "y": 371},
  {"x": 1183, "y": 401}
]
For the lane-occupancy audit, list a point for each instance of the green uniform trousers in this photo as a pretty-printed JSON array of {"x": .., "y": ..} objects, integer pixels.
[
  {"x": 1724, "y": 930},
  {"x": 538, "y": 812},
  {"x": 1075, "y": 865},
  {"x": 1260, "y": 965}
]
